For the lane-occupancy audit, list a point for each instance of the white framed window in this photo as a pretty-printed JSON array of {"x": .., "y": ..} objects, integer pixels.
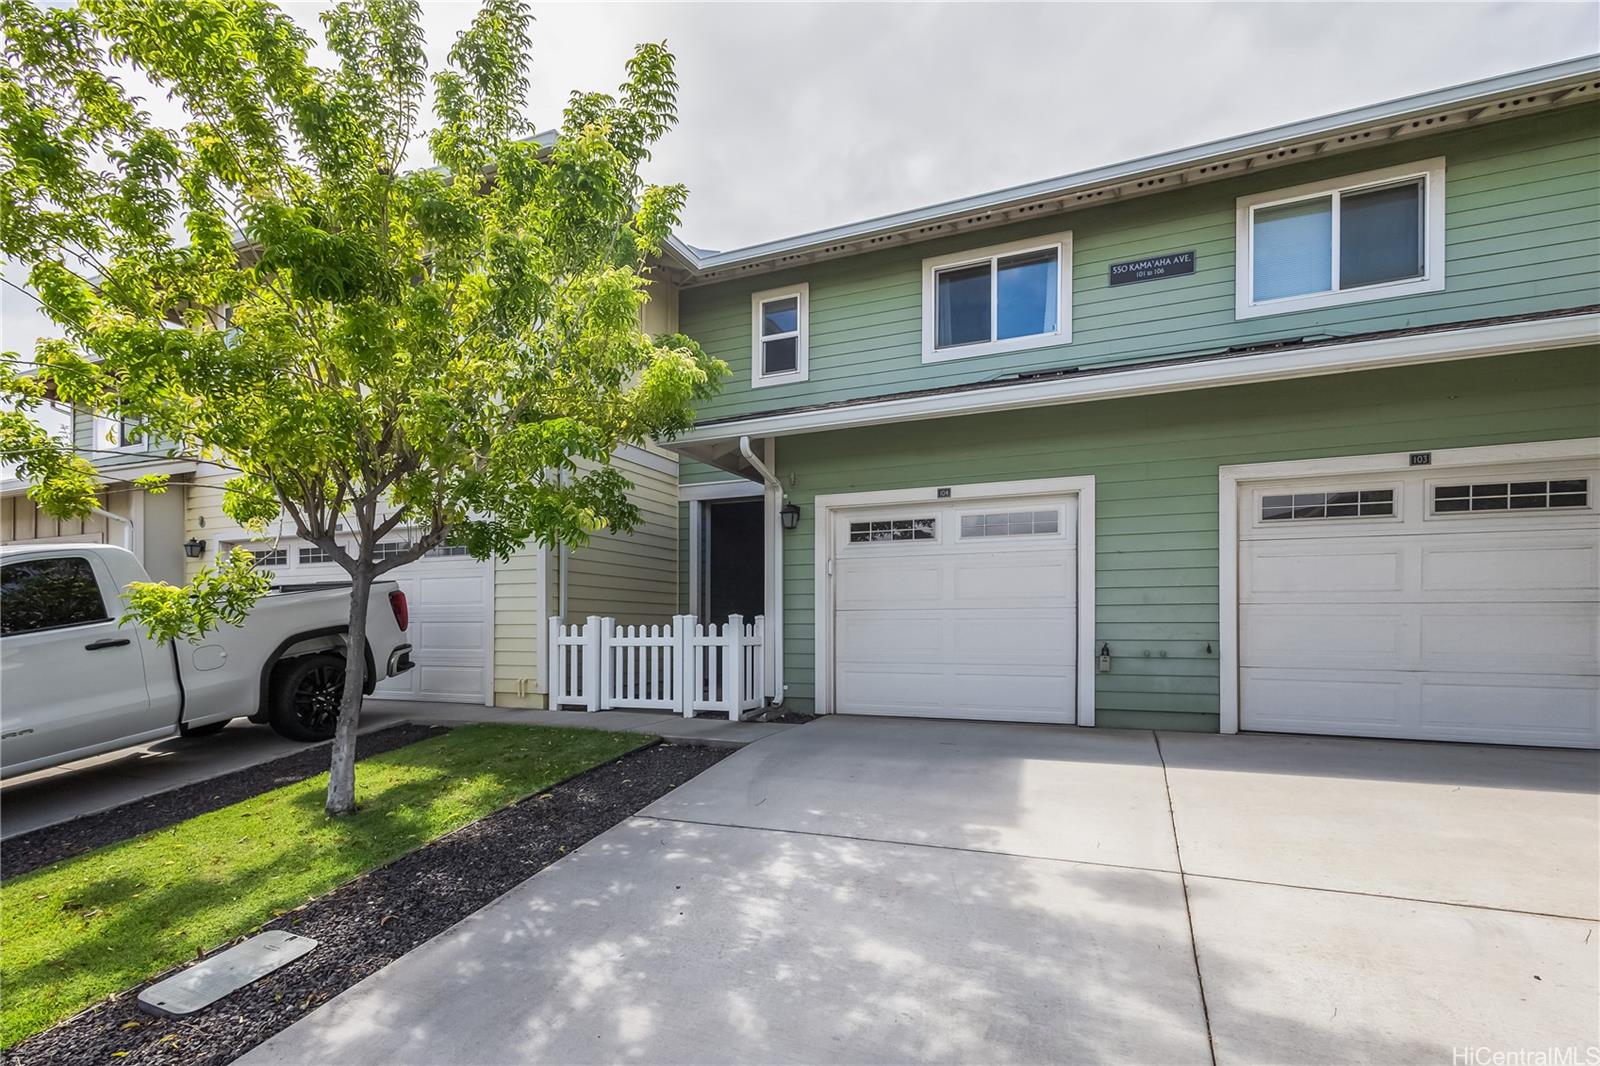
[
  {"x": 1367, "y": 236},
  {"x": 780, "y": 329},
  {"x": 1005, "y": 298},
  {"x": 1477, "y": 495}
]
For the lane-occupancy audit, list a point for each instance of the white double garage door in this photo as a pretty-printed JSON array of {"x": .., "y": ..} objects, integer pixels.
[
  {"x": 449, "y": 598},
  {"x": 1445, "y": 604},
  {"x": 1459, "y": 604}
]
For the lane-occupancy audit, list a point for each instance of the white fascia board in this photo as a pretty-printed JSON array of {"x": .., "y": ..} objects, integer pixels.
[
  {"x": 1443, "y": 346},
  {"x": 115, "y": 475}
]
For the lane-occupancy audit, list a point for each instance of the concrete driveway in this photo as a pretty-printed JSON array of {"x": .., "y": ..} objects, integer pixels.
[{"x": 883, "y": 890}]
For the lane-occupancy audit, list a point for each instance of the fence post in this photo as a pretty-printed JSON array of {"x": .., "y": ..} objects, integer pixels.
[
  {"x": 553, "y": 669},
  {"x": 592, "y": 667},
  {"x": 733, "y": 665},
  {"x": 758, "y": 659},
  {"x": 605, "y": 651},
  {"x": 682, "y": 627}
]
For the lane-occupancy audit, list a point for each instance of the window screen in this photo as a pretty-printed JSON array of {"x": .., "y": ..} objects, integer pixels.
[
  {"x": 40, "y": 594},
  {"x": 780, "y": 335}
]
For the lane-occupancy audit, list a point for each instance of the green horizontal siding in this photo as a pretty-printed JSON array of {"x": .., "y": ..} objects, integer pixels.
[
  {"x": 1155, "y": 462},
  {"x": 1522, "y": 235}
]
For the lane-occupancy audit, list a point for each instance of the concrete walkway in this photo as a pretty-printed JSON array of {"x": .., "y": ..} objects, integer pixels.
[
  {"x": 894, "y": 890},
  {"x": 32, "y": 801}
]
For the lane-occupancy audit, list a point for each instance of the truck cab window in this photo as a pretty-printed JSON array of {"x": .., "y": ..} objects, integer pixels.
[{"x": 48, "y": 594}]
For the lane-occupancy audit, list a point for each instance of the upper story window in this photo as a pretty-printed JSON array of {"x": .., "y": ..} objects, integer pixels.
[
  {"x": 1002, "y": 299},
  {"x": 1364, "y": 237},
  {"x": 780, "y": 331}
]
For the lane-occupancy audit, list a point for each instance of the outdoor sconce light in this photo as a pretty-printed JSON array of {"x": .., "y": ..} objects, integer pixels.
[
  {"x": 789, "y": 515},
  {"x": 194, "y": 548}
]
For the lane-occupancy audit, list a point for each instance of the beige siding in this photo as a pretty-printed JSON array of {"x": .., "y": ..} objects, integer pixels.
[
  {"x": 633, "y": 577},
  {"x": 157, "y": 539},
  {"x": 519, "y": 613}
]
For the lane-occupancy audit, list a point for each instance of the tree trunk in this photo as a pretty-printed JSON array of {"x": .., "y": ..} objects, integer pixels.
[{"x": 342, "y": 769}]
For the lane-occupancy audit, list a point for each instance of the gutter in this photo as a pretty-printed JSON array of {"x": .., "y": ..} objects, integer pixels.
[
  {"x": 773, "y": 485},
  {"x": 122, "y": 520}
]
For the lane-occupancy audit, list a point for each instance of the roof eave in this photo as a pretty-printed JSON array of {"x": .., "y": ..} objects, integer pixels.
[{"x": 1448, "y": 108}]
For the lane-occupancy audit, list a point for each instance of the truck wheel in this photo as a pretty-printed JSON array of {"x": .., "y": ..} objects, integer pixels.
[
  {"x": 210, "y": 729},
  {"x": 305, "y": 697}
]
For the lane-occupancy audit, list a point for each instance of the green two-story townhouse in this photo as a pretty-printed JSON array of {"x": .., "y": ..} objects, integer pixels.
[{"x": 1291, "y": 432}]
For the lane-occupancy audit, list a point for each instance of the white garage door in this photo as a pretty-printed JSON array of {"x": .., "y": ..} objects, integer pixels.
[
  {"x": 957, "y": 610},
  {"x": 1445, "y": 605},
  {"x": 449, "y": 595}
]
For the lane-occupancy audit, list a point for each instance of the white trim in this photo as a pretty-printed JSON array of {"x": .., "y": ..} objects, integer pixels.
[
  {"x": 1431, "y": 174},
  {"x": 697, "y": 525},
  {"x": 1409, "y": 350},
  {"x": 822, "y": 519},
  {"x": 1229, "y": 479},
  {"x": 541, "y": 668},
  {"x": 1061, "y": 243},
  {"x": 801, "y": 294},
  {"x": 731, "y": 489}
]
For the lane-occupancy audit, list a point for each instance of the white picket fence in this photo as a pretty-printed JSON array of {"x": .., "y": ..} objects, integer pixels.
[{"x": 684, "y": 667}]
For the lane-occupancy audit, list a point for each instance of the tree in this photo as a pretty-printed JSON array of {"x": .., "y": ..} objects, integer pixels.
[{"x": 454, "y": 347}]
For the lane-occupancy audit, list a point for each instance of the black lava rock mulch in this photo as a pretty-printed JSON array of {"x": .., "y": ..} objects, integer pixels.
[
  {"x": 43, "y": 846},
  {"x": 368, "y": 923}
]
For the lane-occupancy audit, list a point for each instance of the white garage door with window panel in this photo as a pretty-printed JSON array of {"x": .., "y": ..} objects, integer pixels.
[
  {"x": 1445, "y": 604},
  {"x": 450, "y": 596},
  {"x": 957, "y": 609}
]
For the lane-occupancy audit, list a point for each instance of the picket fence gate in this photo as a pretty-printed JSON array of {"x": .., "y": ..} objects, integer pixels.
[{"x": 684, "y": 666}]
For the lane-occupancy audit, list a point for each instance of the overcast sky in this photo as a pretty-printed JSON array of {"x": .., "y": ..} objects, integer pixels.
[{"x": 798, "y": 116}]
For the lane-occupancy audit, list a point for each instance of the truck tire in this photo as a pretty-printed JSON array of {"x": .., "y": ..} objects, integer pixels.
[{"x": 305, "y": 697}]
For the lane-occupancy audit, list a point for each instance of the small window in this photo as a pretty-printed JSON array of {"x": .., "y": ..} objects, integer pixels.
[
  {"x": 1511, "y": 496},
  {"x": 265, "y": 557},
  {"x": 40, "y": 594},
  {"x": 130, "y": 433},
  {"x": 310, "y": 556},
  {"x": 1364, "y": 237},
  {"x": 1009, "y": 524},
  {"x": 887, "y": 530},
  {"x": 780, "y": 330},
  {"x": 388, "y": 549},
  {"x": 448, "y": 551},
  {"x": 1001, "y": 299},
  {"x": 1349, "y": 503}
]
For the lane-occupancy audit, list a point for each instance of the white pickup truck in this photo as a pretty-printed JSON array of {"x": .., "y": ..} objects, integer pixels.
[{"x": 75, "y": 683}]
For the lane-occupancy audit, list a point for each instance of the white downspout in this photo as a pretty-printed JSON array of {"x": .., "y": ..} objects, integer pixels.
[
  {"x": 776, "y": 624},
  {"x": 126, "y": 523}
]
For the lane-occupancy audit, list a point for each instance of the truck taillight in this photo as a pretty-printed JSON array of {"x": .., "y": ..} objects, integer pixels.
[{"x": 402, "y": 613}]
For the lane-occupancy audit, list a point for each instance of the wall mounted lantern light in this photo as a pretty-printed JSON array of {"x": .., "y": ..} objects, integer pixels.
[
  {"x": 789, "y": 515},
  {"x": 194, "y": 548}
]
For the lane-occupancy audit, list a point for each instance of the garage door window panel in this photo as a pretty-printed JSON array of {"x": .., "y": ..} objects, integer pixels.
[
  {"x": 1010, "y": 524},
  {"x": 1484, "y": 496},
  {"x": 894, "y": 530}
]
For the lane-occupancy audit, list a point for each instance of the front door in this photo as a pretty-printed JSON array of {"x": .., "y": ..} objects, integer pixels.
[{"x": 733, "y": 562}]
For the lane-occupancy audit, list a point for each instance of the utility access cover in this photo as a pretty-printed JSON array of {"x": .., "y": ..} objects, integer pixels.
[{"x": 206, "y": 982}]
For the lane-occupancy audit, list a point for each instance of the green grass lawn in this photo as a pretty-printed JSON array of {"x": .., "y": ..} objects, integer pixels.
[{"x": 78, "y": 930}]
